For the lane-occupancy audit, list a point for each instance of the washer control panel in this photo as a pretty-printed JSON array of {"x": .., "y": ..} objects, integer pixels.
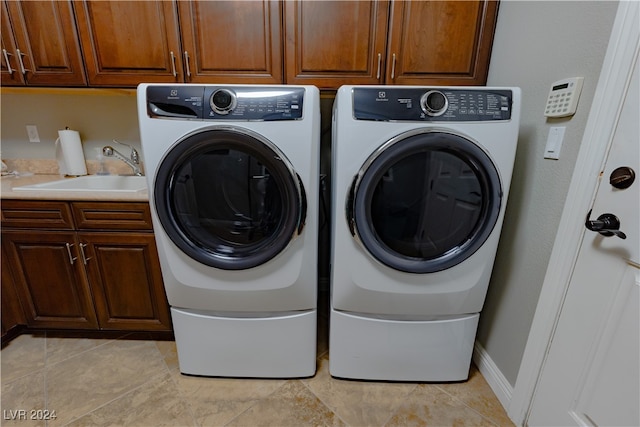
[
  {"x": 431, "y": 104},
  {"x": 210, "y": 102}
]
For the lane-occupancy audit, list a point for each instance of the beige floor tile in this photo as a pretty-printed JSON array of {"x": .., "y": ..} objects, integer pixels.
[
  {"x": 24, "y": 355},
  {"x": 477, "y": 394},
  {"x": 291, "y": 405},
  {"x": 169, "y": 352},
  {"x": 358, "y": 403},
  {"x": 136, "y": 382},
  {"x": 430, "y": 406},
  {"x": 216, "y": 401},
  {"x": 87, "y": 381},
  {"x": 22, "y": 396},
  {"x": 156, "y": 403},
  {"x": 59, "y": 349}
]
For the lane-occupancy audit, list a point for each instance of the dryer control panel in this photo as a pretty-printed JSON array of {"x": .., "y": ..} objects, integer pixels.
[
  {"x": 211, "y": 102},
  {"x": 431, "y": 104}
]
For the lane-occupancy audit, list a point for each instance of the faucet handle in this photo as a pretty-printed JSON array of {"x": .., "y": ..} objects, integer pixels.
[
  {"x": 122, "y": 143},
  {"x": 135, "y": 157}
]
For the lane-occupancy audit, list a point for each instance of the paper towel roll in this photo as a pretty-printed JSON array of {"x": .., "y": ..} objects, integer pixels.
[{"x": 69, "y": 153}]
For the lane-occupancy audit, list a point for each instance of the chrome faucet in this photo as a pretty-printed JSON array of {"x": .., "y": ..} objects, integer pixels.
[{"x": 133, "y": 162}]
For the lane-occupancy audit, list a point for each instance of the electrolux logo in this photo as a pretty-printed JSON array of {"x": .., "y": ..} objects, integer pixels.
[
  {"x": 173, "y": 94},
  {"x": 382, "y": 96}
]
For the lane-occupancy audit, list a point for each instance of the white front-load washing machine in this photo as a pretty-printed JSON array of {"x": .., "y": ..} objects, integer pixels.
[
  {"x": 233, "y": 185},
  {"x": 420, "y": 183}
]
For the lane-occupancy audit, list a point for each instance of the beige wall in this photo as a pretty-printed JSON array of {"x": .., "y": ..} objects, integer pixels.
[
  {"x": 537, "y": 43},
  {"x": 100, "y": 115}
]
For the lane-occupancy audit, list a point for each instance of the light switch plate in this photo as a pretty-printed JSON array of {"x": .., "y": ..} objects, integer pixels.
[{"x": 554, "y": 142}]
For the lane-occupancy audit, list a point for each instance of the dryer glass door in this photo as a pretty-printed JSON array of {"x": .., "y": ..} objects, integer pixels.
[
  {"x": 229, "y": 198},
  {"x": 425, "y": 201}
]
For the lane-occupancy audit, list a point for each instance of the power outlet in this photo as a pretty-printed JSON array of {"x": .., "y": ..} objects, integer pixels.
[{"x": 32, "y": 131}]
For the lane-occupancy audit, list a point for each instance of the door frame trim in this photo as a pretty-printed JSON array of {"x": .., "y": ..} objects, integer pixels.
[{"x": 615, "y": 75}]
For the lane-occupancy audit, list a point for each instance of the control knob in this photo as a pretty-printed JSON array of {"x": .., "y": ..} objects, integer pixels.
[
  {"x": 434, "y": 103},
  {"x": 223, "y": 101}
]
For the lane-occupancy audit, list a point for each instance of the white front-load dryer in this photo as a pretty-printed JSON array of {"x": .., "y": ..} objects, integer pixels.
[
  {"x": 420, "y": 183},
  {"x": 233, "y": 185}
]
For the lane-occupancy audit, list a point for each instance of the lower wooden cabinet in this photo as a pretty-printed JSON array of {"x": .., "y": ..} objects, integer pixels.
[
  {"x": 126, "y": 282},
  {"x": 84, "y": 265},
  {"x": 50, "y": 281},
  {"x": 12, "y": 314}
]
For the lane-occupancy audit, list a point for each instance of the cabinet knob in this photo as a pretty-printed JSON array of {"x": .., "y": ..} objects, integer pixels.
[
  {"x": 21, "y": 62},
  {"x": 173, "y": 64},
  {"x": 186, "y": 62},
  {"x": 10, "y": 70},
  {"x": 393, "y": 67},
  {"x": 85, "y": 259},
  {"x": 71, "y": 257}
]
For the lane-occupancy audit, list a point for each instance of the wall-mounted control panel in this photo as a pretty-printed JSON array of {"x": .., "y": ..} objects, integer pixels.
[{"x": 563, "y": 97}]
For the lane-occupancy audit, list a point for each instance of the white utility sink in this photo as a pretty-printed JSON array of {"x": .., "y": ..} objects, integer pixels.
[{"x": 91, "y": 183}]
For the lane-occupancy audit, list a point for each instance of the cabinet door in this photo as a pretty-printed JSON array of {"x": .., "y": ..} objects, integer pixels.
[
  {"x": 440, "y": 42},
  {"x": 10, "y": 74},
  {"x": 332, "y": 43},
  {"x": 50, "y": 279},
  {"x": 128, "y": 42},
  {"x": 11, "y": 312},
  {"x": 231, "y": 41},
  {"x": 46, "y": 43},
  {"x": 125, "y": 276}
]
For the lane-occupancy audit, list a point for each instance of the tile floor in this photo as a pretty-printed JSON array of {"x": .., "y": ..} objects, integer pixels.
[{"x": 130, "y": 381}]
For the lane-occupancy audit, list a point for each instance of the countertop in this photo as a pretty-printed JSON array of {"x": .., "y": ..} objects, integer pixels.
[{"x": 9, "y": 182}]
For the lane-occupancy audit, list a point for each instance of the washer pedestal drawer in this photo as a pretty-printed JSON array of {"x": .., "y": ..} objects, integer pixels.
[
  {"x": 373, "y": 348},
  {"x": 282, "y": 345}
]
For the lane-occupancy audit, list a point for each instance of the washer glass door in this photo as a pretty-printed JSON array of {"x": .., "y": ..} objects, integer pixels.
[
  {"x": 425, "y": 201},
  {"x": 229, "y": 198}
]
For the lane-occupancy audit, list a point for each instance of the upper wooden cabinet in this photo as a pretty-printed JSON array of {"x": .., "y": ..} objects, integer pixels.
[
  {"x": 322, "y": 43},
  {"x": 333, "y": 43},
  {"x": 231, "y": 41},
  {"x": 440, "y": 42},
  {"x": 40, "y": 44},
  {"x": 9, "y": 73},
  {"x": 126, "y": 43},
  {"x": 379, "y": 42}
]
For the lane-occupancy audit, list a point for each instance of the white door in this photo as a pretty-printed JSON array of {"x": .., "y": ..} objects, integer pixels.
[{"x": 592, "y": 371}]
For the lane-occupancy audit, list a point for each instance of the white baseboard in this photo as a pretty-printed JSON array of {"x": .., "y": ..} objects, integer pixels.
[{"x": 494, "y": 377}]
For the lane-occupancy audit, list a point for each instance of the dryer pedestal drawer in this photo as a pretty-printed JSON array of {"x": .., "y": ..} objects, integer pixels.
[
  {"x": 381, "y": 349},
  {"x": 279, "y": 346}
]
